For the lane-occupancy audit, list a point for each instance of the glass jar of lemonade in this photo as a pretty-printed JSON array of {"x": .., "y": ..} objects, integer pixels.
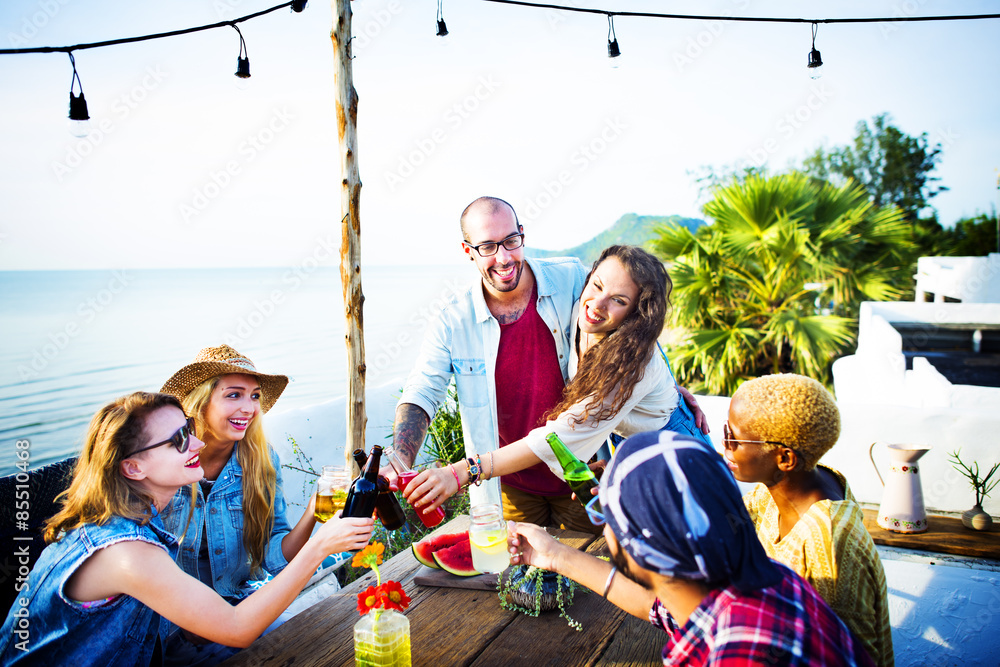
[
  {"x": 488, "y": 538},
  {"x": 331, "y": 492}
]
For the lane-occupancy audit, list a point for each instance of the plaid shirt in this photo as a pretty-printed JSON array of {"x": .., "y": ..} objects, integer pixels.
[{"x": 787, "y": 624}]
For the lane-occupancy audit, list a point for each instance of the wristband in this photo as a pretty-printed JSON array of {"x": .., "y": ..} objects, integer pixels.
[
  {"x": 474, "y": 471},
  {"x": 455, "y": 473},
  {"x": 607, "y": 584}
]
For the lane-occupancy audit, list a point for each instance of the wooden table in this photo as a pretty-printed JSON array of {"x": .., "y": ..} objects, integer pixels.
[
  {"x": 944, "y": 535},
  {"x": 453, "y": 626}
]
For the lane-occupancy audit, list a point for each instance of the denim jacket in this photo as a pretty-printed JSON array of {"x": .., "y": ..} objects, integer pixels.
[
  {"x": 222, "y": 512},
  {"x": 58, "y": 631},
  {"x": 464, "y": 341}
]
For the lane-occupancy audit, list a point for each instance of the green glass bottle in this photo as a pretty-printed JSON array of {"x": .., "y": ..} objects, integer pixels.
[{"x": 577, "y": 474}]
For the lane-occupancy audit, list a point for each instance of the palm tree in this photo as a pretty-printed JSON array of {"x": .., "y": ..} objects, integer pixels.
[{"x": 773, "y": 285}]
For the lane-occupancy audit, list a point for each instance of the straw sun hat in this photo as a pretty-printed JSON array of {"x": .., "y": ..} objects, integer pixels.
[{"x": 223, "y": 360}]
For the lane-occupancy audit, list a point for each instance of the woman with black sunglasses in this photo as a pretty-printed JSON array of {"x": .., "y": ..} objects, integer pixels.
[{"x": 97, "y": 592}]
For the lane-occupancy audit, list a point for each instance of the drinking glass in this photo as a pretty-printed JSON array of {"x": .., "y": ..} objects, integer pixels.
[
  {"x": 488, "y": 538},
  {"x": 331, "y": 492}
]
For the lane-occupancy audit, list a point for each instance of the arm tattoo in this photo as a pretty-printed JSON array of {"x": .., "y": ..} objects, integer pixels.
[{"x": 409, "y": 430}]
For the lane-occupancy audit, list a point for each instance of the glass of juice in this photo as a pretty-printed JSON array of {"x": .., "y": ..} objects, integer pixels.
[
  {"x": 429, "y": 518},
  {"x": 331, "y": 492},
  {"x": 488, "y": 539}
]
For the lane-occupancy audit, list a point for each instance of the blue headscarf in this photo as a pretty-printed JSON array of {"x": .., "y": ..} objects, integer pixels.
[{"x": 675, "y": 508}]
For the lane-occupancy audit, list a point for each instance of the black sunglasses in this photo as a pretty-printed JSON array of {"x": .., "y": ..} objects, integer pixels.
[{"x": 181, "y": 439}]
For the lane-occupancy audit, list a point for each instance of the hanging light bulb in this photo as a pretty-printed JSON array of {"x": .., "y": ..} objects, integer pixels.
[
  {"x": 79, "y": 117},
  {"x": 614, "y": 53},
  {"x": 299, "y": 5},
  {"x": 242, "y": 62},
  {"x": 442, "y": 28},
  {"x": 815, "y": 59}
]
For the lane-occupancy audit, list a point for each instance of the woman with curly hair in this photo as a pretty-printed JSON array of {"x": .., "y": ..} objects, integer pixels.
[
  {"x": 804, "y": 513},
  {"x": 238, "y": 533},
  {"x": 619, "y": 384},
  {"x": 97, "y": 592}
]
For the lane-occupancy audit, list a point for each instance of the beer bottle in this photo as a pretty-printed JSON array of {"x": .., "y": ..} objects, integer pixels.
[{"x": 576, "y": 473}]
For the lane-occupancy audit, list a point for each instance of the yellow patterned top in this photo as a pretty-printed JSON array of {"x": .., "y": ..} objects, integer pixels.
[{"x": 831, "y": 549}]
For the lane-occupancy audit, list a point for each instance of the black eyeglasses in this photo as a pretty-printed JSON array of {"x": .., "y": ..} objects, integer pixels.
[
  {"x": 488, "y": 249},
  {"x": 727, "y": 437},
  {"x": 181, "y": 439}
]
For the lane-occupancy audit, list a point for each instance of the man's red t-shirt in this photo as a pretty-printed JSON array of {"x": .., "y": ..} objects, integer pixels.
[{"x": 529, "y": 382}]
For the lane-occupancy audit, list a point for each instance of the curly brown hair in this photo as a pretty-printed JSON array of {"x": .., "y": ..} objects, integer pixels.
[{"x": 616, "y": 363}]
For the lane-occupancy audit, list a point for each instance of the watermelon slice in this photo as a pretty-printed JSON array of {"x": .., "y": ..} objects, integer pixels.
[
  {"x": 424, "y": 550},
  {"x": 457, "y": 560}
]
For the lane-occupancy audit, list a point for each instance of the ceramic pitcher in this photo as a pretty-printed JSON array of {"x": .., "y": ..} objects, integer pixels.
[{"x": 902, "y": 509}]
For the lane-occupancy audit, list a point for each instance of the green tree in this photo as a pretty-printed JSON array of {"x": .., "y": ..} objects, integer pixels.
[
  {"x": 773, "y": 284},
  {"x": 892, "y": 166},
  {"x": 973, "y": 236}
]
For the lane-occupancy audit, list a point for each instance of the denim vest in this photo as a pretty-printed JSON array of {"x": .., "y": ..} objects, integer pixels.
[
  {"x": 57, "y": 631},
  {"x": 464, "y": 341},
  {"x": 221, "y": 512}
]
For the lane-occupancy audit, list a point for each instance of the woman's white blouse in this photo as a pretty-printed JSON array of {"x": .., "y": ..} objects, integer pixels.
[{"x": 648, "y": 409}]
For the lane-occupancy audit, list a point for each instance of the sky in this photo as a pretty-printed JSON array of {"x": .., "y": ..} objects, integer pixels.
[{"x": 185, "y": 168}]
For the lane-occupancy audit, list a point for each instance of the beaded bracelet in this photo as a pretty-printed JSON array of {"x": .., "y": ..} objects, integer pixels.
[
  {"x": 607, "y": 584},
  {"x": 455, "y": 473},
  {"x": 491, "y": 466}
]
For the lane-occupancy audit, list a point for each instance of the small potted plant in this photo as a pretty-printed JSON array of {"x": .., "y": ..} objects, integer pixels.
[
  {"x": 976, "y": 518},
  {"x": 531, "y": 590}
]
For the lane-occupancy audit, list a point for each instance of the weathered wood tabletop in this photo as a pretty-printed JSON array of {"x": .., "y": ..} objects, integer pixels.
[
  {"x": 944, "y": 535},
  {"x": 453, "y": 626}
]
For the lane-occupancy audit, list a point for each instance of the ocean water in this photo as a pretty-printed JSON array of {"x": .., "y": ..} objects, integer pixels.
[{"x": 74, "y": 340}]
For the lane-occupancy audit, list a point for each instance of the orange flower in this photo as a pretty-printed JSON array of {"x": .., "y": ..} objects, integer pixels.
[
  {"x": 393, "y": 596},
  {"x": 370, "y": 556},
  {"x": 368, "y": 600}
]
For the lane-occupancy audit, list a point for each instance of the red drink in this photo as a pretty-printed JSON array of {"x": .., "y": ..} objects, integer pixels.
[{"x": 429, "y": 518}]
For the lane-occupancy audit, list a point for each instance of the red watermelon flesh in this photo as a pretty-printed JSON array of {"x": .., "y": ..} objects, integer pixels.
[
  {"x": 424, "y": 550},
  {"x": 457, "y": 559}
]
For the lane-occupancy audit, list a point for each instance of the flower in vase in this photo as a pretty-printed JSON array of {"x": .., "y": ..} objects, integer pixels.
[
  {"x": 388, "y": 595},
  {"x": 370, "y": 556},
  {"x": 368, "y": 600},
  {"x": 393, "y": 596}
]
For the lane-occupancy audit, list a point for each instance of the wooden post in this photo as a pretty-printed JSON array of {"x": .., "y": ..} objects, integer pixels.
[{"x": 350, "y": 226}]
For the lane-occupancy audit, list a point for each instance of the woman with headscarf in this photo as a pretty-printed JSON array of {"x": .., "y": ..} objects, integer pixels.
[
  {"x": 804, "y": 513},
  {"x": 677, "y": 530}
]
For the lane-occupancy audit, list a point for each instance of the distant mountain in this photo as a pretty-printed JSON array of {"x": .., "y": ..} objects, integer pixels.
[{"x": 630, "y": 229}]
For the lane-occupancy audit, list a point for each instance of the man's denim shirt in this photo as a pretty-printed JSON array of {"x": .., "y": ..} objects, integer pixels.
[
  {"x": 62, "y": 632},
  {"x": 464, "y": 341},
  {"x": 222, "y": 512}
]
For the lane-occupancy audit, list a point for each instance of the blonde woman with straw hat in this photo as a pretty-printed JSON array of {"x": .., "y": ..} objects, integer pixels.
[
  {"x": 238, "y": 532},
  {"x": 99, "y": 589}
]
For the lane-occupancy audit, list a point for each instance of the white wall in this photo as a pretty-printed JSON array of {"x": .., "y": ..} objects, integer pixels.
[{"x": 970, "y": 279}]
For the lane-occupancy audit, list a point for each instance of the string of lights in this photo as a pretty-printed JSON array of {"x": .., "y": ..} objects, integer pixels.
[
  {"x": 79, "y": 115},
  {"x": 814, "y": 62}
]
